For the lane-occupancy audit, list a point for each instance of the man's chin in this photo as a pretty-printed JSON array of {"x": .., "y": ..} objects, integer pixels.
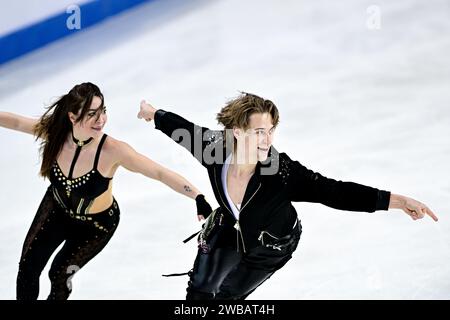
[{"x": 262, "y": 155}]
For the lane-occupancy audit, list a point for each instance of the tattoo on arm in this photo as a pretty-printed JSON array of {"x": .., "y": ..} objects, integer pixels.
[{"x": 187, "y": 189}]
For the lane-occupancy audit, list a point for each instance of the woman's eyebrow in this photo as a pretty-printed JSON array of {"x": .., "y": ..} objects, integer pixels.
[{"x": 95, "y": 110}]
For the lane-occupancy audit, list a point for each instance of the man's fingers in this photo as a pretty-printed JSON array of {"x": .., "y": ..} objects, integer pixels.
[
  {"x": 144, "y": 108},
  {"x": 140, "y": 111},
  {"x": 420, "y": 213},
  {"x": 431, "y": 214}
]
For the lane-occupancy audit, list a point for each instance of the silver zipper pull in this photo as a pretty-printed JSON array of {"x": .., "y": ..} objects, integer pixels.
[{"x": 261, "y": 237}]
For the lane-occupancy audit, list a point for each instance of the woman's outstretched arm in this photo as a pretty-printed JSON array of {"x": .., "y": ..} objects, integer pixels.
[
  {"x": 136, "y": 162},
  {"x": 17, "y": 122}
]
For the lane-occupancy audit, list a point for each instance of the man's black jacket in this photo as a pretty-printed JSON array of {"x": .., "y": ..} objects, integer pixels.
[{"x": 274, "y": 185}]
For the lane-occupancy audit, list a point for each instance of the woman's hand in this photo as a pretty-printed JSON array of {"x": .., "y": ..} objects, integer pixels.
[
  {"x": 415, "y": 209},
  {"x": 203, "y": 207},
  {"x": 147, "y": 111}
]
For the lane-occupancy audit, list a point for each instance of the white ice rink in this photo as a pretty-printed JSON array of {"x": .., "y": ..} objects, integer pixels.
[{"x": 357, "y": 104}]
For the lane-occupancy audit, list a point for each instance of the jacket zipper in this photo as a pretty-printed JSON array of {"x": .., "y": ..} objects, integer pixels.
[
  {"x": 223, "y": 202},
  {"x": 240, "y": 212},
  {"x": 236, "y": 226},
  {"x": 251, "y": 197},
  {"x": 261, "y": 236},
  {"x": 237, "y": 221}
]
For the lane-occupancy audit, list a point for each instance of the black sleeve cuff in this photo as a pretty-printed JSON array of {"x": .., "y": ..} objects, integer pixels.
[
  {"x": 383, "y": 200},
  {"x": 158, "y": 115}
]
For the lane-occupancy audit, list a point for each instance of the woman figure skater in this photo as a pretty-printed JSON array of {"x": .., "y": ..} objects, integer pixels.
[
  {"x": 256, "y": 229},
  {"x": 78, "y": 207}
]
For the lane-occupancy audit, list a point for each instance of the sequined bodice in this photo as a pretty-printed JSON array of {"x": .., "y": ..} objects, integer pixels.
[{"x": 77, "y": 194}]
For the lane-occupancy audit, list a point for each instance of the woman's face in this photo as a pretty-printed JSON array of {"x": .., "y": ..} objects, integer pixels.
[
  {"x": 254, "y": 143},
  {"x": 93, "y": 122}
]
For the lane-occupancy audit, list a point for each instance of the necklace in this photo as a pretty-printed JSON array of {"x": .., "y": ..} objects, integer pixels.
[{"x": 80, "y": 143}]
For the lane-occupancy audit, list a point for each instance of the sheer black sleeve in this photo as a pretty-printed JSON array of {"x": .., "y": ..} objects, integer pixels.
[
  {"x": 306, "y": 185},
  {"x": 201, "y": 142}
]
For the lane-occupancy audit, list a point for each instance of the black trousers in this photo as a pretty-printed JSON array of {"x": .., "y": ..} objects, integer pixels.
[
  {"x": 84, "y": 236},
  {"x": 224, "y": 273}
]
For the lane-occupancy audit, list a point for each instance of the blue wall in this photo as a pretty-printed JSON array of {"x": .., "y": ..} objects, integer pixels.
[{"x": 53, "y": 28}]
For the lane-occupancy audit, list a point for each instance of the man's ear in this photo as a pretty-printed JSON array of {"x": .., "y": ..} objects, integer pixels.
[{"x": 237, "y": 132}]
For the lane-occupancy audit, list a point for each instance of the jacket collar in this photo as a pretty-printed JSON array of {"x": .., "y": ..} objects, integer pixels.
[{"x": 253, "y": 184}]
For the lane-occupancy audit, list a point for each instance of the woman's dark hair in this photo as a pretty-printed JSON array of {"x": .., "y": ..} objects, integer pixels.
[{"x": 54, "y": 125}]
